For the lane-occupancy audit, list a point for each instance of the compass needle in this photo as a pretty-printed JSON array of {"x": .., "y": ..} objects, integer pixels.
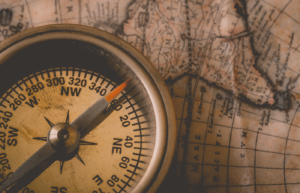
[
  {"x": 94, "y": 115},
  {"x": 44, "y": 154}
]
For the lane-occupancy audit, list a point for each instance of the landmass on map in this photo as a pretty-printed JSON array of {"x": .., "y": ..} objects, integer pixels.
[{"x": 222, "y": 52}]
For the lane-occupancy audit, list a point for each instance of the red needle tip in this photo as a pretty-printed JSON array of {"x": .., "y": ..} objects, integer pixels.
[{"x": 116, "y": 91}]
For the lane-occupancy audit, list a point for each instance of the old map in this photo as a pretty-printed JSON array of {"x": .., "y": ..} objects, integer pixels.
[{"x": 232, "y": 69}]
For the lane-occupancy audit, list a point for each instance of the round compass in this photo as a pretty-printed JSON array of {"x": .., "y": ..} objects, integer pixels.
[{"x": 81, "y": 111}]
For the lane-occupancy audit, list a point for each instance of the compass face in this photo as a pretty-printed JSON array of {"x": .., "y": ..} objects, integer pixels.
[
  {"x": 50, "y": 82},
  {"x": 112, "y": 151}
]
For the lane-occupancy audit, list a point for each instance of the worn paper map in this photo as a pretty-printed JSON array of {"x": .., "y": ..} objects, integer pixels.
[{"x": 232, "y": 68}]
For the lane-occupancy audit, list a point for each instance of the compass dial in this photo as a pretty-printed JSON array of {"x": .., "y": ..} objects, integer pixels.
[
  {"x": 112, "y": 156},
  {"x": 60, "y": 75}
]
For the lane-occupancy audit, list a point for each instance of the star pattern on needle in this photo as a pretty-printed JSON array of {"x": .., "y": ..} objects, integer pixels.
[{"x": 63, "y": 159}]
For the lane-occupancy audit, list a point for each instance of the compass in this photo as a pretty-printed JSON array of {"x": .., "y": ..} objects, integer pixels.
[{"x": 81, "y": 111}]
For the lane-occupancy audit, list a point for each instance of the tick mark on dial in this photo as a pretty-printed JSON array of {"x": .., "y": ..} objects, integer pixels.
[
  {"x": 81, "y": 142},
  {"x": 79, "y": 158},
  {"x": 49, "y": 122},
  {"x": 67, "y": 119},
  {"x": 61, "y": 165},
  {"x": 40, "y": 138}
]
